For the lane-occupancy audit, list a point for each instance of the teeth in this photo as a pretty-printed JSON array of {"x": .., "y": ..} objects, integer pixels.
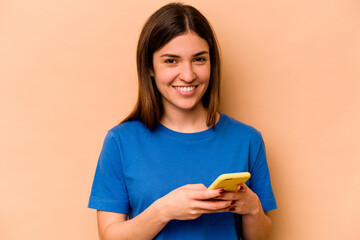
[{"x": 185, "y": 89}]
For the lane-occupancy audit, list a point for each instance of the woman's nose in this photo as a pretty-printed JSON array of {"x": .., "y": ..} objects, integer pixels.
[{"x": 187, "y": 73}]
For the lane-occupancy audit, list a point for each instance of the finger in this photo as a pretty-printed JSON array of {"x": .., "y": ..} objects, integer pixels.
[
  {"x": 242, "y": 188},
  {"x": 205, "y": 194},
  {"x": 198, "y": 186},
  {"x": 213, "y": 205},
  {"x": 227, "y": 209},
  {"x": 229, "y": 196}
]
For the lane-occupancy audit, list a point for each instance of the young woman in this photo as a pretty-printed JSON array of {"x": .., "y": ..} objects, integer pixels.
[{"x": 154, "y": 169}]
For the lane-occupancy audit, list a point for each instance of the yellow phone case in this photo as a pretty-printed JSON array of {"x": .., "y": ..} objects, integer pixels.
[{"x": 230, "y": 181}]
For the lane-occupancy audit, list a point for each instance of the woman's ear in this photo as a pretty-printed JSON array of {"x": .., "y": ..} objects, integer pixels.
[{"x": 151, "y": 72}]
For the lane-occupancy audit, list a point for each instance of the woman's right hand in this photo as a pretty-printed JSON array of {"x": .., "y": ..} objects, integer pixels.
[{"x": 190, "y": 202}]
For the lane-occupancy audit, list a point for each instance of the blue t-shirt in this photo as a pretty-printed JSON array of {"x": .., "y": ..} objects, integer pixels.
[{"x": 137, "y": 166}]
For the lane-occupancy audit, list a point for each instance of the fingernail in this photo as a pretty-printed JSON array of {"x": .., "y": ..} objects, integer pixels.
[
  {"x": 233, "y": 202},
  {"x": 231, "y": 209},
  {"x": 221, "y": 191}
]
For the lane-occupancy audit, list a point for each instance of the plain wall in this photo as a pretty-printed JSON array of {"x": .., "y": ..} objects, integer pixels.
[{"x": 67, "y": 70}]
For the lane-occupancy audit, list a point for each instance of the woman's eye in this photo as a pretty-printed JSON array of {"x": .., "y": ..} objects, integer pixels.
[
  {"x": 200, "y": 59},
  {"x": 170, "y": 60}
]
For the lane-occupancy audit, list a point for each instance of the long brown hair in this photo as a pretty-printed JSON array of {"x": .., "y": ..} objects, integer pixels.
[{"x": 165, "y": 24}]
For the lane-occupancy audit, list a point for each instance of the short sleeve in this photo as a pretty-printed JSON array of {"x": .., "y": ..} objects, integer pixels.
[
  {"x": 109, "y": 191},
  {"x": 260, "y": 178}
]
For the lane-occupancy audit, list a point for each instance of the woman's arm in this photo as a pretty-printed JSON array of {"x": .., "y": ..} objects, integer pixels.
[
  {"x": 256, "y": 224},
  {"x": 144, "y": 226},
  {"x": 184, "y": 203}
]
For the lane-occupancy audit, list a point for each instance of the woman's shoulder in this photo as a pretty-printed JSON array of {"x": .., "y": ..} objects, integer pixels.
[
  {"x": 241, "y": 128},
  {"x": 128, "y": 127}
]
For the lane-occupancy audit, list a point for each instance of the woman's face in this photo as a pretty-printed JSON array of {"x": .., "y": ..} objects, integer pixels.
[{"x": 182, "y": 72}]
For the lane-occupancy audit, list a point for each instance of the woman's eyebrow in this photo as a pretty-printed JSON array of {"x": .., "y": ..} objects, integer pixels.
[
  {"x": 170, "y": 55},
  {"x": 201, "y": 53},
  {"x": 176, "y": 56}
]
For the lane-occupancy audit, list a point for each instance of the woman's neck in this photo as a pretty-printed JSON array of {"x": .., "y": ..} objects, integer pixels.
[{"x": 188, "y": 121}]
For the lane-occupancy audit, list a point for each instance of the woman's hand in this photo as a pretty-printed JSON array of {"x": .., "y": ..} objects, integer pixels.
[
  {"x": 244, "y": 201},
  {"x": 256, "y": 224},
  {"x": 191, "y": 201}
]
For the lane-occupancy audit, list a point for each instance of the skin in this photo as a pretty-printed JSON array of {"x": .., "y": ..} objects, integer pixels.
[
  {"x": 184, "y": 62},
  {"x": 256, "y": 224},
  {"x": 182, "y": 71}
]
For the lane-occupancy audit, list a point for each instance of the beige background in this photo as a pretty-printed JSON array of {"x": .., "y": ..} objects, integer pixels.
[{"x": 67, "y": 70}]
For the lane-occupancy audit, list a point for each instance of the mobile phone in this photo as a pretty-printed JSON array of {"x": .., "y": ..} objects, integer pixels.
[{"x": 230, "y": 181}]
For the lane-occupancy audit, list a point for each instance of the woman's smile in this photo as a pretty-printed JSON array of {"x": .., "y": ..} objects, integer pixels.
[{"x": 186, "y": 90}]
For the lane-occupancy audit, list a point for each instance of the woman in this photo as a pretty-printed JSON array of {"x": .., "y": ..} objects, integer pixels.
[{"x": 154, "y": 167}]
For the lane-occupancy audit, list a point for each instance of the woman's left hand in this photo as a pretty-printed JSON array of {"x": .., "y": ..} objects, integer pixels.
[{"x": 244, "y": 201}]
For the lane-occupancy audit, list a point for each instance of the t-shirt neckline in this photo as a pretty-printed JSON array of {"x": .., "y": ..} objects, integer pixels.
[{"x": 195, "y": 135}]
